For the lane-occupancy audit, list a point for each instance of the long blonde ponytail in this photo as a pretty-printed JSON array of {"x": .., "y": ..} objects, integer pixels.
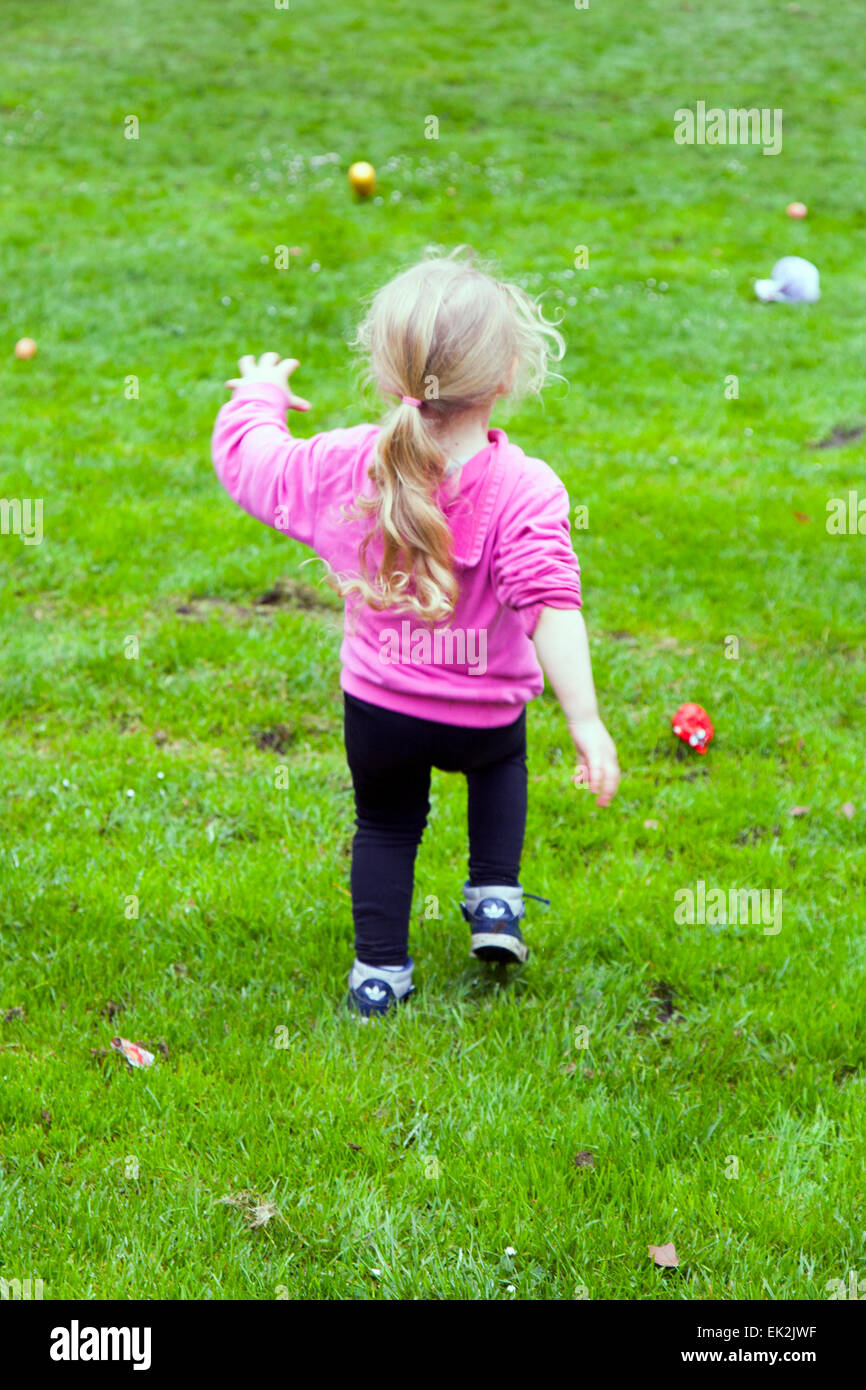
[{"x": 448, "y": 334}]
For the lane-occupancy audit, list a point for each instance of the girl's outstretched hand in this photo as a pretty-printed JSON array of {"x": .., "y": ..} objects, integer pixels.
[
  {"x": 270, "y": 367},
  {"x": 597, "y": 767}
]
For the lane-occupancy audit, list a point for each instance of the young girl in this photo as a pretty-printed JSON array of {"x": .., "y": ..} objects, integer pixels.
[{"x": 451, "y": 548}]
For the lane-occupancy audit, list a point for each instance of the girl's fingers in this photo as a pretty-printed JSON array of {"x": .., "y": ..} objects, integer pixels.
[
  {"x": 269, "y": 359},
  {"x": 246, "y": 363},
  {"x": 602, "y": 779},
  {"x": 298, "y": 403},
  {"x": 235, "y": 381},
  {"x": 290, "y": 364},
  {"x": 610, "y": 782}
]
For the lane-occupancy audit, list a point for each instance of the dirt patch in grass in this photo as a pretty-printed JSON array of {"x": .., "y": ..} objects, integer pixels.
[
  {"x": 753, "y": 834},
  {"x": 663, "y": 996},
  {"x": 277, "y": 739},
  {"x": 839, "y": 437},
  {"x": 284, "y": 593},
  {"x": 844, "y": 1073},
  {"x": 290, "y": 593}
]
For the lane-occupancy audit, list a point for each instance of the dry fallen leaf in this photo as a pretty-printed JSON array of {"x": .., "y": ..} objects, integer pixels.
[
  {"x": 256, "y": 1212},
  {"x": 584, "y": 1159},
  {"x": 801, "y": 516},
  {"x": 847, "y": 809},
  {"x": 800, "y": 810},
  {"x": 665, "y": 1255},
  {"x": 260, "y": 1215}
]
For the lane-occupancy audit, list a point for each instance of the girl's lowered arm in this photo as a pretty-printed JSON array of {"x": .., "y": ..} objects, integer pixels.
[{"x": 563, "y": 652}]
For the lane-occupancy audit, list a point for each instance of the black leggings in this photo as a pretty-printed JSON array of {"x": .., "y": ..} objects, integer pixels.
[{"x": 390, "y": 757}]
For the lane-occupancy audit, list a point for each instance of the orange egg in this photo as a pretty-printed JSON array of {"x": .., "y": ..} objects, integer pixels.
[
  {"x": 797, "y": 210},
  {"x": 25, "y": 347}
]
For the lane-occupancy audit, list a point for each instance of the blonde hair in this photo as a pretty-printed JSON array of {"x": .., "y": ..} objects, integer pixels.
[{"x": 451, "y": 335}]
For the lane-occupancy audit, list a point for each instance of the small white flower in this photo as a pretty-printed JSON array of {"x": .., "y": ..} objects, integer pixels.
[
  {"x": 376, "y": 1272},
  {"x": 510, "y": 1250},
  {"x": 160, "y": 775},
  {"x": 226, "y": 299},
  {"x": 66, "y": 782},
  {"x": 511, "y": 1289},
  {"x": 130, "y": 792}
]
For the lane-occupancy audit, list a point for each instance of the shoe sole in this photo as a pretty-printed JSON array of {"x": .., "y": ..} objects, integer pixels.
[{"x": 489, "y": 946}]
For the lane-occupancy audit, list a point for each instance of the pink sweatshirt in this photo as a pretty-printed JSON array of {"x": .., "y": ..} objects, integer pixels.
[{"x": 509, "y": 517}]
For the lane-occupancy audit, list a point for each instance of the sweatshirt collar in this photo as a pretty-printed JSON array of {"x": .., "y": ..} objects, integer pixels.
[{"x": 469, "y": 500}]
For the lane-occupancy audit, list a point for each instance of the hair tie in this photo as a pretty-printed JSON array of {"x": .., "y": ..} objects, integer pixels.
[{"x": 410, "y": 400}]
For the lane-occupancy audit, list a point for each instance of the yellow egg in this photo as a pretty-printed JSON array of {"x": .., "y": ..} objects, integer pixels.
[
  {"x": 25, "y": 347},
  {"x": 362, "y": 177}
]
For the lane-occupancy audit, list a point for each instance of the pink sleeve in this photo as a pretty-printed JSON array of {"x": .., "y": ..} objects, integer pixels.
[
  {"x": 534, "y": 565},
  {"x": 271, "y": 475}
]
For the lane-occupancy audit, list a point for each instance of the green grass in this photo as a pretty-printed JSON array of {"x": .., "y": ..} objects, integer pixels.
[{"x": 154, "y": 259}]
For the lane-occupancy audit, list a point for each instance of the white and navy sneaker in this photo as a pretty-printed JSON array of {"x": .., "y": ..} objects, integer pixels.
[
  {"x": 494, "y": 914},
  {"x": 375, "y": 990}
]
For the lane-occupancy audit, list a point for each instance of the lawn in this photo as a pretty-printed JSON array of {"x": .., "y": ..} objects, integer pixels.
[{"x": 176, "y": 811}]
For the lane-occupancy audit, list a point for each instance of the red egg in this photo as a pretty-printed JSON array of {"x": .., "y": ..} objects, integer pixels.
[{"x": 693, "y": 725}]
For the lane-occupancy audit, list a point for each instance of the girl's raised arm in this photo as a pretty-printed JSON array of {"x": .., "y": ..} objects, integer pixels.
[{"x": 270, "y": 474}]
